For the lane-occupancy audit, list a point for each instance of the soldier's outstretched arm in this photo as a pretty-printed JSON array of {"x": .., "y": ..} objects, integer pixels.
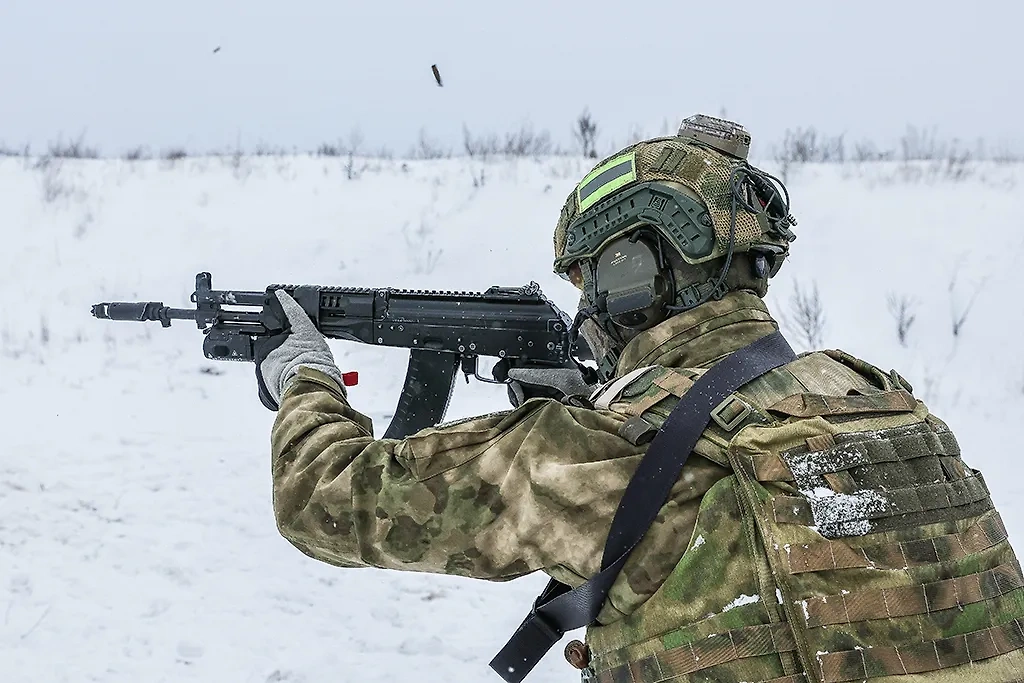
[{"x": 493, "y": 497}]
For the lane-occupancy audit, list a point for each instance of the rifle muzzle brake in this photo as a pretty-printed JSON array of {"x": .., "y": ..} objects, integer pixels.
[{"x": 140, "y": 311}]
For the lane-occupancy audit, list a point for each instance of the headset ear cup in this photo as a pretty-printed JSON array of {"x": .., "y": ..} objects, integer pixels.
[
  {"x": 658, "y": 312},
  {"x": 634, "y": 283},
  {"x": 664, "y": 288}
]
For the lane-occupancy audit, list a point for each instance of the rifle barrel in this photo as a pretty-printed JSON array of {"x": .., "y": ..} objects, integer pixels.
[{"x": 141, "y": 311}]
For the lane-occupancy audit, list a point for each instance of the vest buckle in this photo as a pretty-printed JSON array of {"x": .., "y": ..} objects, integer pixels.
[{"x": 730, "y": 413}]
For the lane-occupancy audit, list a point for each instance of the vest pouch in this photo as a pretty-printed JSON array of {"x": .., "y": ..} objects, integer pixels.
[{"x": 891, "y": 563}]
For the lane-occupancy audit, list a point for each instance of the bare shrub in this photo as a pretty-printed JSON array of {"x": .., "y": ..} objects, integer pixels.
[
  {"x": 958, "y": 318},
  {"x": 806, "y": 316},
  {"x": 6, "y": 151},
  {"x": 241, "y": 164},
  {"x": 353, "y": 171},
  {"x": 53, "y": 185},
  {"x": 1005, "y": 154},
  {"x": 919, "y": 144},
  {"x": 427, "y": 148},
  {"x": 525, "y": 142},
  {"x": 866, "y": 151},
  {"x": 902, "y": 309},
  {"x": 479, "y": 147},
  {"x": 947, "y": 159},
  {"x": 237, "y": 157},
  {"x": 174, "y": 154},
  {"x": 926, "y": 157},
  {"x": 136, "y": 154},
  {"x": 326, "y": 149},
  {"x": 517, "y": 143},
  {"x": 479, "y": 179},
  {"x": 43, "y": 162},
  {"x": 264, "y": 149},
  {"x": 959, "y": 311},
  {"x": 72, "y": 149},
  {"x": 931, "y": 391},
  {"x": 956, "y": 164},
  {"x": 585, "y": 134},
  {"x": 806, "y": 145},
  {"x": 350, "y": 147}
]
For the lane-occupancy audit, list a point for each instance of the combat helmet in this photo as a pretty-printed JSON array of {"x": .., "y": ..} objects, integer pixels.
[{"x": 670, "y": 223}]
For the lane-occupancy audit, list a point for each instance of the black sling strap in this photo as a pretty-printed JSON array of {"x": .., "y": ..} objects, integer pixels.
[{"x": 559, "y": 609}]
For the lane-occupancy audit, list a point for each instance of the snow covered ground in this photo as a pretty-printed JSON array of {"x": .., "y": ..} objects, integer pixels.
[{"x": 137, "y": 540}]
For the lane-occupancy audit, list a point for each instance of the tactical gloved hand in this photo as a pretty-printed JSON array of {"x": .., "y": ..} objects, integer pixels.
[
  {"x": 567, "y": 385},
  {"x": 279, "y": 357}
]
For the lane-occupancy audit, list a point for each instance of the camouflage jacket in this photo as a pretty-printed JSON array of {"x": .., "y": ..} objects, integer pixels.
[
  {"x": 502, "y": 495},
  {"x": 825, "y": 529}
]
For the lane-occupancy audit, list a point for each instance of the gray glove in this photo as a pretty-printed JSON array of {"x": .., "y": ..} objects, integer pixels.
[
  {"x": 278, "y": 358},
  {"x": 557, "y": 383}
]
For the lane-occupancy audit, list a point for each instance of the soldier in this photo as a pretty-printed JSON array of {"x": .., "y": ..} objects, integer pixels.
[{"x": 822, "y": 529}]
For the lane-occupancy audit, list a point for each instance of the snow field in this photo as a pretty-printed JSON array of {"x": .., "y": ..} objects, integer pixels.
[{"x": 137, "y": 539}]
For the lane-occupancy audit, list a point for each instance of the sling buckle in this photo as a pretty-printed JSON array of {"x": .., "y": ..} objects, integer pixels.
[{"x": 730, "y": 413}]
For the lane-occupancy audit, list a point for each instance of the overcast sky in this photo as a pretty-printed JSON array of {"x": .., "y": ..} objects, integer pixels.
[{"x": 297, "y": 73}]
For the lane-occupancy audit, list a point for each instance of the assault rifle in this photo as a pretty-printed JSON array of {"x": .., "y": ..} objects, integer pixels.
[{"x": 445, "y": 332}]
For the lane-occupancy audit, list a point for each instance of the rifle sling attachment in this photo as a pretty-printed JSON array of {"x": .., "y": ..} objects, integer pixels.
[{"x": 559, "y": 609}]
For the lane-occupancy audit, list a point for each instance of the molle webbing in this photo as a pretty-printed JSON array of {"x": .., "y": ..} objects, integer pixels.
[
  {"x": 829, "y": 505},
  {"x": 643, "y": 405},
  {"x": 844, "y": 453},
  {"x": 854, "y": 665},
  {"x": 669, "y": 384},
  {"x": 751, "y": 641},
  {"x": 770, "y": 467},
  {"x": 811, "y": 405},
  {"x": 987, "y": 532},
  {"x": 674, "y": 383},
  {"x": 905, "y": 601},
  {"x": 892, "y": 503},
  {"x": 916, "y": 442}
]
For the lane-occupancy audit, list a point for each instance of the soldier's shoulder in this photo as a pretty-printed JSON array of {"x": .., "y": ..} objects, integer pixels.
[
  {"x": 817, "y": 384},
  {"x": 644, "y": 399},
  {"x": 831, "y": 372},
  {"x": 642, "y": 383}
]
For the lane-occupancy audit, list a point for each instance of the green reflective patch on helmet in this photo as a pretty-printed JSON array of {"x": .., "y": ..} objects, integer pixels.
[{"x": 605, "y": 179}]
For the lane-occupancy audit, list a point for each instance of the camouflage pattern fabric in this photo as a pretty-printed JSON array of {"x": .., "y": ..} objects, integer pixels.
[
  {"x": 825, "y": 530},
  {"x": 498, "y": 496}
]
